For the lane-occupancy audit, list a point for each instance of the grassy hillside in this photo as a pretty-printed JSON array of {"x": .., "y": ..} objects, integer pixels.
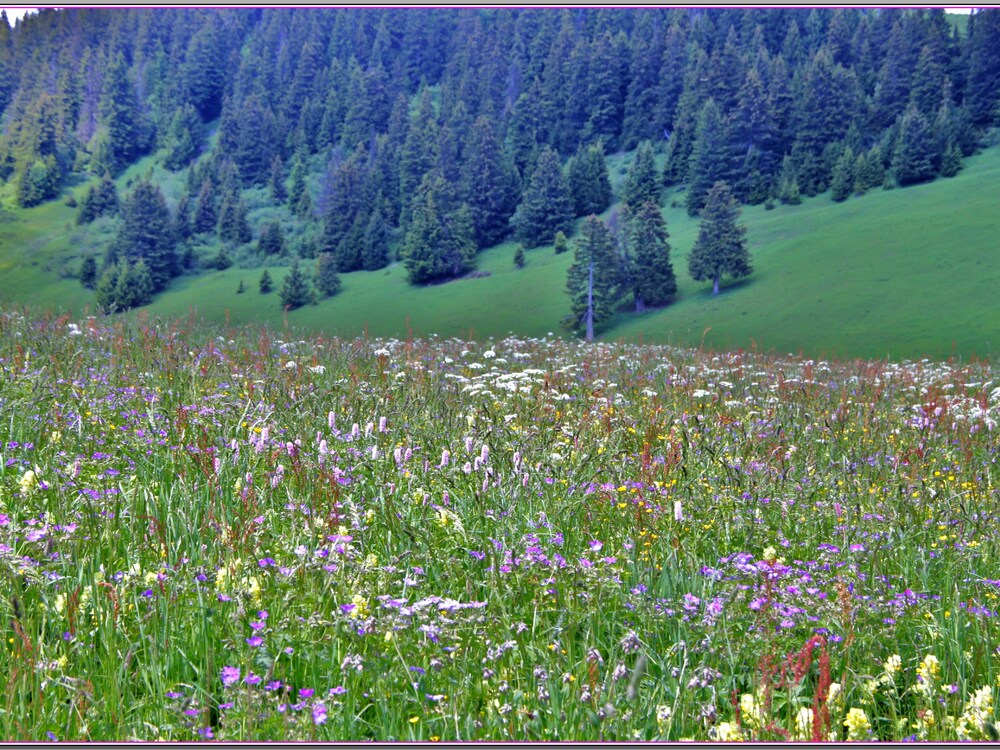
[{"x": 900, "y": 273}]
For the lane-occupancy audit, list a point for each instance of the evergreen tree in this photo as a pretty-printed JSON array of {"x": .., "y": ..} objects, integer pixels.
[
  {"x": 438, "y": 245},
  {"x": 277, "y": 181},
  {"x": 265, "y": 284},
  {"x": 241, "y": 288},
  {"x": 295, "y": 289},
  {"x": 492, "y": 184},
  {"x": 587, "y": 178},
  {"x": 146, "y": 233},
  {"x": 843, "y": 179},
  {"x": 642, "y": 183},
  {"x": 546, "y": 206},
  {"x": 327, "y": 280},
  {"x": 721, "y": 247},
  {"x": 951, "y": 162},
  {"x": 233, "y": 225},
  {"x": 519, "y": 256},
  {"x": 351, "y": 248},
  {"x": 982, "y": 85},
  {"x": 183, "y": 138},
  {"x": 711, "y": 157},
  {"x": 419, "y": 152},
  {"x": 272, "y": 240},
  {"x": 376, "y": 242},
  {"x": 120, "y": 116},
  {"x": 205, "y": 217},
  {"x": 88, "y": 272},
  {"x": 100, "y": 200},
  {"x": 914, "y": 156},
  {"x": 652, "y": 274},
  {"x": 593, "y": 281}
]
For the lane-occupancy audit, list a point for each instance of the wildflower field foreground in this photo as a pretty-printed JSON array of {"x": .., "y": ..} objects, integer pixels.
[{"x": 235, "y": 534}]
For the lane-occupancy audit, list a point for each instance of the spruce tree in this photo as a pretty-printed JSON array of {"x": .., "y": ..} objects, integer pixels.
[
  {"x": 438, "y": 245},
  {"x": 327, "y": 280},
  {"x": 492, "y": 184},
  {"x": 642, "y": 183},
  {"x": 842, "y": 180},
  {"x": 376, "y": 242},
  {"x": 653, "y": 280},
  {"x": 519, "y": 256},
  {"x": 183, "y": 138},
  {"x": 914, "y": 156},
  {"x": 265, "y": 284},
  {"x": 88, "y": 272},
  {"x": 711, "y": 157},
  {"x": 271, "y": 240},
  {"x": 205, "y": 216},
  {"x": 593, "y": 281},
  {"x": 560, "y": 244},
  {"x": 546, "y": 207},
  {"x": 721, "y": 247},
  {"x": 277, "y": 181},
  {"x": 233, "y": 225},
  {"x": 295, "y": 289},
  {"x": 587, "y": 178},
  {"x": 146, "y": 232},
  {"x": 951, "y": 162}
]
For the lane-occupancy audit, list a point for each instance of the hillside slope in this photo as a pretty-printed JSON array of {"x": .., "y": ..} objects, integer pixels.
[{"x": 902, "y": 273}]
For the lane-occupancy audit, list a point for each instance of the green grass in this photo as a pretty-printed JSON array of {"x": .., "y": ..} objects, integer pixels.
[
  {"x": 244, "y": 534},
  {"x": 900, "y": 273}
]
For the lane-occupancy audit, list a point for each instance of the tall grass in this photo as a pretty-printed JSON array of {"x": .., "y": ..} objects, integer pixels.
[{"x": 248, "y": 534}]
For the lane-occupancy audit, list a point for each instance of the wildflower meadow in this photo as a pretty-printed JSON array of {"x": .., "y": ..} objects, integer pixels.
[{"x": 240, "y": 534}]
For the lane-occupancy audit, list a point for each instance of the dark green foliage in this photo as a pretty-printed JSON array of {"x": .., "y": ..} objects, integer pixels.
[
  {"x": 587, "y": 177},
  {"x": 788, "y": 184},
  {"x": 222, "y": 260},
  {"x": 38, "y": 182},
  {"x": 593, "y": 281},
  {"x": 88, "y": 272},
  {"x": 546, "y": 207},
  {"x": 205, "y": 216},
  {"x": 233, "y": 226},
  {"x": 272, "y": 240},
  {"x": 438, "y": 244},
  {"x": 492, "y": 185},
  {"x": 295, "y": 290},
  {"x": 376, "y": 242},
  {"x": 265, "y": 284},
  {"x": 721, "y": 247},
  {"x": 123, "y": 286},
  {"x": 711, "y": 157},
  {"x": 101, "y": 199},
  {"x": 916, "y": 149},
  {"x": 653, "y": 281},
  {"x": 519, "y": 256},
  {"x": 642, "y": 183},
  {"x": 146, "y": 233},
  {"x": 327, "y": 280},
  {"x": 951, "y": 162},
  {"x": 183, "y": 138},
  {"x": 241, "y": 288},
  {"x": 842, "y": 181},
  {"x": 119, "y": 119},
  {"x": 982, "y": 86},
  {"x": 276, "y": 182},
  {"x": 350, "y": 250}
]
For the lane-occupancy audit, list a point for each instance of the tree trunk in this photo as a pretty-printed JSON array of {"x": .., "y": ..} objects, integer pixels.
[
  {"x": 590, "y": 304},
  {"x": 715, "y": 286}
]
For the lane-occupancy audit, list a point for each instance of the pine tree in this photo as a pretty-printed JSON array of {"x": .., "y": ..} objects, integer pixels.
[
  {"x": 593, "y": 281},
  {"x": 88, "y": 272},
  {"x": 327, "y": 280},
  {"x": 653, "y": 279},
  {"x": 295, "y": 289},
  {"x": 492, "y": 184},
  {"x": 587, "y": 178},
  {"x": 99, "y": 200},
  {"x": 951, "y": 162},
  {"x": 265, "y": 284},
  {"x": 842, "y": 180},
  {"x": 272, "y": 240},
  {"x": 519, "y": 256},
  {"x": 721, "y": 247},
  {"x": 146, "y": 232},
  {"x": 642, "y": 183},
  {"x": 437, "y": 245},
  {"x": 277, "y": 181},
  {"x": 914, "y": 156},
  {"x": 205, "y": 216},
  {"x": 711, "y": 157},
  {"x": 119, "y": 116},
  {"x": 546, "y": 207},
  {"x": 376, "y": 242},
  {"x": 183, "y": 138},
  {"x": 233, "y": 225}
]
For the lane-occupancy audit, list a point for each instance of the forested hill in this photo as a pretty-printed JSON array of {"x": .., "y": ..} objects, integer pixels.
[{"x": 373, "y": 134}]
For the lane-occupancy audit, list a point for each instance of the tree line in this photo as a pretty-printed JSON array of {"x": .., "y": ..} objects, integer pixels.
[{"x": 426, "y": 135}]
